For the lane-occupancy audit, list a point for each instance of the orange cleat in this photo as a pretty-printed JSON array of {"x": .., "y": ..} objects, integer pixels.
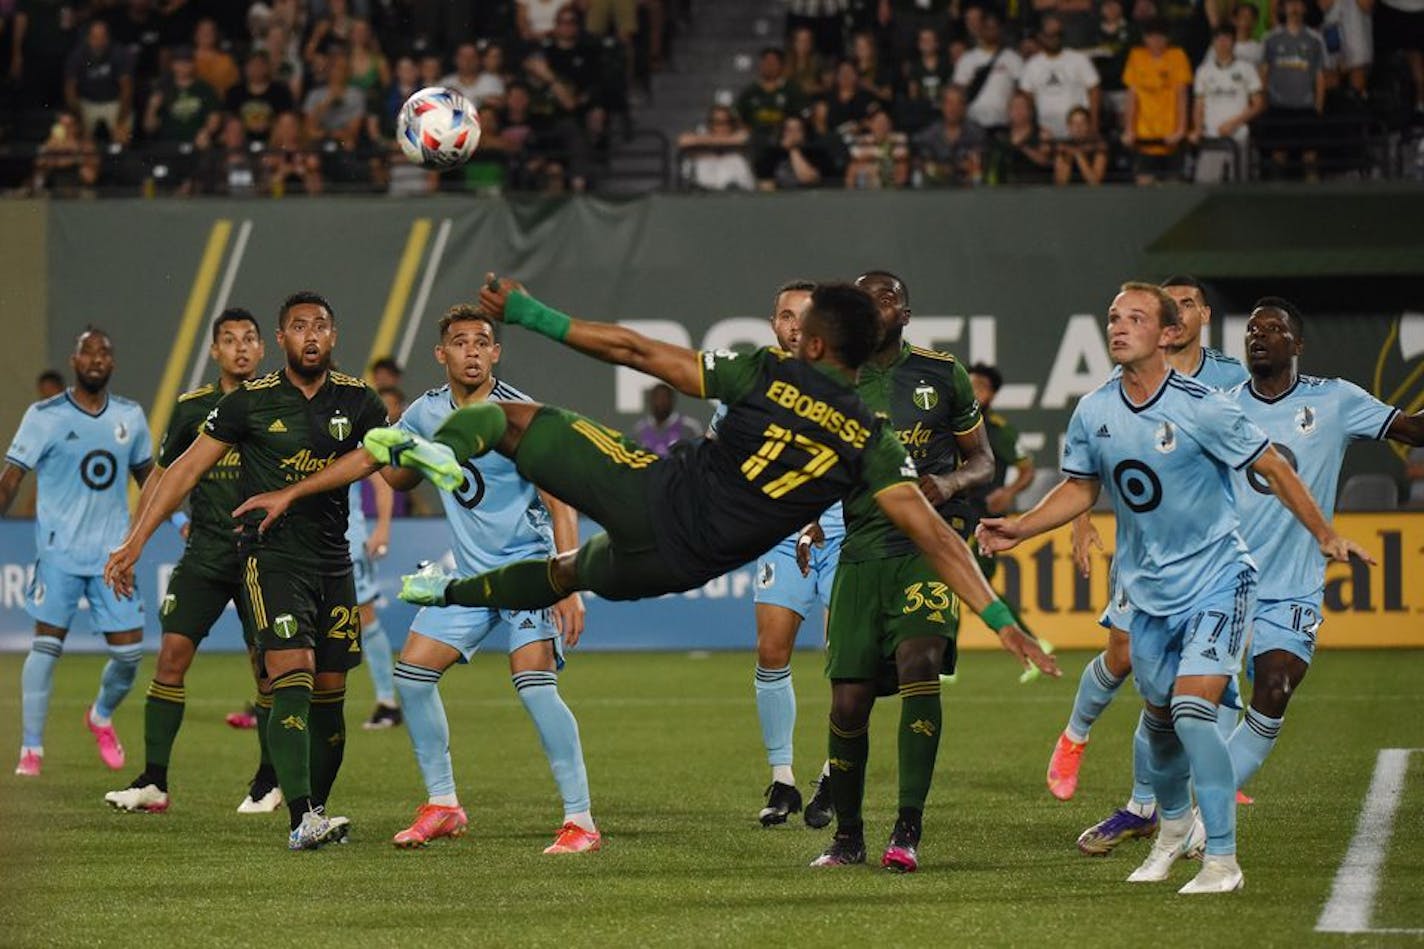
[
  {"x": 1243, "y": 798},
  {"x": 1063, "y": 767},
  {"x": 432, "y": 821},
  {"x": 574, "y": 839}
]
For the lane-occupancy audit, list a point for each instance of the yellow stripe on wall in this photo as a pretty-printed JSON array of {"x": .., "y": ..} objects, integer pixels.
[{"x": 400, "y": 290}]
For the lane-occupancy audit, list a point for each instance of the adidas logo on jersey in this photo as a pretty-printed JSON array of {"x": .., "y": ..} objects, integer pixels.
[
  {"x": 276, "y": 426},
  {"x": 71, "y": 437},
  {"x": 1211, "y": 654},
  {"x": 1103, "y": 432}
]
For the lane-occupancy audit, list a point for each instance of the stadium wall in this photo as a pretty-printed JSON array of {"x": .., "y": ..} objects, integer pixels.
[{"x": 1365, "y": 606}]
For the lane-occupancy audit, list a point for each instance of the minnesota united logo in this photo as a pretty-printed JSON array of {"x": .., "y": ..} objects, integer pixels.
[
  {"x": 1166, "y": 438},
  {"x": 1305, "y": 419},
  {"x": 925, "y": 397},
  {"x": 121, "y": 433},
  {"x": 766, "y": 576},
  {"x": 339, "y": 427}
]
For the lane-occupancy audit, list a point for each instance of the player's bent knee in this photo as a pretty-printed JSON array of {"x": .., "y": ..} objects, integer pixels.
[
  {"x": 326, "y": 681},
  {"x": 534, "y": 657},
  {"x": 125, "y": 638},
  {"x": 52, "y": 632}
]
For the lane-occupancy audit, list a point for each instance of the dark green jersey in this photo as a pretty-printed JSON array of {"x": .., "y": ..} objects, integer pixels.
[
  {"x": 284, "y": 437},
  {"x": 794, "y": 441},
  {"x": 1004, "y": 440},
  {"x": 927, "y": 397},
  {"x": 212, "y": 545}
]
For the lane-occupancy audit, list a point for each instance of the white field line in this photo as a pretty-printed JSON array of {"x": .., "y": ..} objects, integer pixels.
[{"x": 1352, "y": 898}]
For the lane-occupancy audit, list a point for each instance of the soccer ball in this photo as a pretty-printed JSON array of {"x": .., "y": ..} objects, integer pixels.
[{"x": 438, "y": 129}]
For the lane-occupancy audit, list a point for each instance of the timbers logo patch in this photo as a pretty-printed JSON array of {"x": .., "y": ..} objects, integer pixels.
[
  {"x": 339, "y": 427},
  {"x": 285, "y": 626},
  {"x": 925, "y": 396},
  {"x": 170, "y": 602}
]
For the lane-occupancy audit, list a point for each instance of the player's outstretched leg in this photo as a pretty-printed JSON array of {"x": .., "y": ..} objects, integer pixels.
[
  {"x": 1181, "y": 832},
  {"x": 522, "y": 585},
  {"x": 559, "y": 735},
  {"x": 115, "y": 683},
  {"x": 36, "y": 682},
  {"x": 1096, "y": 689},
  {"x": 441, "y": 815},
  {"x": 402, "y": 449}
]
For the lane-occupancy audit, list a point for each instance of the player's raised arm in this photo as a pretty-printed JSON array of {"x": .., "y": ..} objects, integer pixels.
[
  {"x": 1070, "y": 499},
  {"x": 1293, "y": 493},
  {"x": 507, "y": 301}
]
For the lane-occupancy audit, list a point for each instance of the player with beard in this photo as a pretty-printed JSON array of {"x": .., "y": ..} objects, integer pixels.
[
  {"x": 80, "y": 443},
  {"x": 297, "y": 575}
]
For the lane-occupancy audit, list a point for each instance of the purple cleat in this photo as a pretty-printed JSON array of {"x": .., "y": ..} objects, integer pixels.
[{"x": 1100, "y": 839}]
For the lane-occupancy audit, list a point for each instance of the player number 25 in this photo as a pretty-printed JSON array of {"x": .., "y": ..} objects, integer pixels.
[{"x": 821, "y": 459}]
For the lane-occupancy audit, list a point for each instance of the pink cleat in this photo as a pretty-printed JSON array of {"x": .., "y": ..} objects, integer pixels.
[
  {"x": 574, "y": 839},
  {"x": 432, "y": 821},
  {"x": 110, "y": 751},
  {"x": 29, "y": 766},
  {"x": 246, "y": 718},
  {"x": 1063, "y": 767}
]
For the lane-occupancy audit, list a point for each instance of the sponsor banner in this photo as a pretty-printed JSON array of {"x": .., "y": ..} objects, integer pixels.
[{"x": 1365, "y": 606}]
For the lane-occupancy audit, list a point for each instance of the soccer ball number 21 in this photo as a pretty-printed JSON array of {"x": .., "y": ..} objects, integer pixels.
[{"x": 438, "y": 128}]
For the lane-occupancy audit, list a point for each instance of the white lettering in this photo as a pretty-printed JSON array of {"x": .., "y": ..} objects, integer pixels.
[
  {"x": 935, "y": 332},
  {"x": 629, "y": 384},
  {"x": 1081, "y": 363},
  {"x": 1233, "y": 337},
  {"x": 13, "y": 583},
  {"x": 738, "y": 332}
]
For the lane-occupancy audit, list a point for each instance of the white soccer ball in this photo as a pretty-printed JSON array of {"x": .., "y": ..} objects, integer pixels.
[{"x": 438, "y": 128}]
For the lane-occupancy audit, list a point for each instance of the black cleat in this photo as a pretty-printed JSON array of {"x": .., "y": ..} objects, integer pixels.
[
  {"x": 845, "y": 849},
  {"x": 821, "y": 808},
  {"x": 782, "y": 800},
  {"x": 902, "y": 853},
  {"x": 383, "y": 716}
]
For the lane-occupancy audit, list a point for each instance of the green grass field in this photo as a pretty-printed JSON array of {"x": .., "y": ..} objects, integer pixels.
[{"x": 675, "y": 762}]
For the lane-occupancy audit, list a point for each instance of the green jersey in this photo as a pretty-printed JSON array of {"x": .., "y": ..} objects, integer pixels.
[
  {"x": 794, "y": 441},
  {"x": 927, "y": 397},
  {"x": 1004, "y": 440},
  {"x": 212, "y": 544},
  {"x": 284, "y": 437}
]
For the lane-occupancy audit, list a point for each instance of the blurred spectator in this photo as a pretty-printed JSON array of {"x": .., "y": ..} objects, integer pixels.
[
  {"x": 1349, "y": 38},
  {"x": 825, "y": 138},
  {"x": 909, "y": 18},
  {"x": 286, "y": 165},
  {"x": 1228, "y": 98},
  {"x": 716, "y": 159},
  {"x": 951, "y": 149},
  {"x": 257, "y": 100},
  {"x": 1078, "y": 19},
  {"x": 1246, "y": 20},
  {"x": 44, "y": 35},
  {"x": 404, "y": 84},
  {"x": 849, "y": 103},
  {"x": 876, "y": 77},
  {"x": 805, "y": 69},
  {"x": 621, "y": 15},
  {"x": 182, "y": 109},
  {"x": 535, "y": 18},
  {"x": 766, "y": 103},
  {"x": 98, "y": 85},
  {"x": 431, "y": 71},
  {"x": 1399, "y": 26},
  {"x": 386, "y": 373},
  {"x": 137, "y": 28},
  {"x": 573, "y": 58},
  {"x": 561, "y": 120},
  {"x": 467, "y": 72},
  {"x": 231, "y": 168},
  {"x": 1024, "y": 153},
  {"x": 49, "y": 384},
  {"x": 799, "y": 161},
  {"x": 1158, "y": 78},
  {"x": 67, "y": 164},
  {"x": 335, "y": 112},
  {"x": 824, "y": 18},
  {"x": 1059, "y": 80},
  {"x": 1294, "y": 75},
  {"x": 489, "y": 85},
  {"x": 989, "y": 74},
  {"x": 925, "y": 76},
  {"x": 332, "y": 28},
  {"x": 284, "y": 55},
  {"x": 1083, "y": 157},
  {"x": 214, "y": 66},
  {"x": 369, "y": 70},
  {"x": 880, "y": 158},
  {"x": 663, "y": 427},
  {"x": 1109, "y": 56}
]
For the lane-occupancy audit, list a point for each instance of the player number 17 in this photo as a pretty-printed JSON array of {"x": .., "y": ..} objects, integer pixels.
[{"x": 821, "y": 460}]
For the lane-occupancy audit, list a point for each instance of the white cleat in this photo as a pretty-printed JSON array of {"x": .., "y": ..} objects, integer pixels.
[
  {"x": 265, "y": 804},
  {"x": 147, "y": 799},
  {"x": 1167, "y": 849},
  {"x": 316, "y": 830},
  {"x": 1218, "y": 875}
]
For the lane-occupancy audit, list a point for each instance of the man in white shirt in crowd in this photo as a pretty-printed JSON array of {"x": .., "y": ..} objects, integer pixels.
[
  {"x": 989, "y": 73},
  {"x": 1060, "y": 80},
  {"x": 1228, "y": 96}
]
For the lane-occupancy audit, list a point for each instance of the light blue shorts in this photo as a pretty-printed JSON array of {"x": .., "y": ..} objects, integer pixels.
[
  {"x": 779, "y": 581},
  {"x": 53, "y": 598},
  {"x": 363, "y": 571},
  {"x": 465, "y": 628},
  {"x": 1289, "y": 625},
  {"x": 1205, "y": 640}
]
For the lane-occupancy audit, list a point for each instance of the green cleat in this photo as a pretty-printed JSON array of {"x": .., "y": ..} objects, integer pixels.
[
  {"x": 393, "y": 446},
  {"x": 425, "y": 587},
  {"x": 1032, "y": 672}
]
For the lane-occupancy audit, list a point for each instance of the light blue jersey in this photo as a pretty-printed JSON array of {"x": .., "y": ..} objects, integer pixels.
[
  {"x": 1311, "y": 424},
  {"x": 1219, "y": 371},
  {"x": 82, "y": 463},
  {"x": 356, "y": 529},
  {"x": 1167, "y": 465},
  {"x": 495, "y": 516},
  {"x": 363, "y": 569}
]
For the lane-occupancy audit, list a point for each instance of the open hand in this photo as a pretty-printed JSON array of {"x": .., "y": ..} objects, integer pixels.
[
  {"x": 275, "y": 503},
  {"x": 119, "y": 570},
  {"x": 1341, "y": 549},
  {"x": 1028, "y": 652},
  {"x": 1084, "y": 539},
  {"x": 997, "y": 534},
  {"x": 568, "y": 616},
  {"x": 810, "y": 535}
]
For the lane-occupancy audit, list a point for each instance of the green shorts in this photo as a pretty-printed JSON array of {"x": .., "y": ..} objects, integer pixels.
[
  {"x": 609, "y": 478},
  {"x": 194, "y": 602},
  {"x": 293, "y": 609},
  {"x": 878, "y": 604}
]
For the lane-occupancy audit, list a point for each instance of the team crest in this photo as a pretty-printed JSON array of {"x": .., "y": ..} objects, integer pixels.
[
  {"x": 925, "y": 397},
  {"x": 767, "y": 576},
  {"x": 1305, "y": 420},
  {"x": 170, "y": 601},
  {"x": 1166, "y": 438},
  {"x": 285, "y": 626},
  {"x": 121, "y": 433},
  {"x": 339, "y": 427}
]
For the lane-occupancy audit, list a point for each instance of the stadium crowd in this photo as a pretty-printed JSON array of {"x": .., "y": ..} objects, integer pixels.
[
  {"x": 283, "y": 96},
  {"x": 925, "y": 93}
]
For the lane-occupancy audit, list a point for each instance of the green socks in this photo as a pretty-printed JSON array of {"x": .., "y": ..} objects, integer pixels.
[
  {"x": 328, "y": 740},
  {"x": 263, "y": 705},
  {"x": 848, "y": 752},
  {"x": 921, "y": 720},
  {"x": 289, "y": 735},
  {"x": 524, "y": 585},
  {"x": 162, "y": 717},
  {"x": 473, "y": 430}
]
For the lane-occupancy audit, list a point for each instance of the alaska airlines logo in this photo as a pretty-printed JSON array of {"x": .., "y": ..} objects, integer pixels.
[
  {"x": 917, "y": 437},
  {"x": 307, "y": 463},
  {"x": 233, "y": 459}
]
